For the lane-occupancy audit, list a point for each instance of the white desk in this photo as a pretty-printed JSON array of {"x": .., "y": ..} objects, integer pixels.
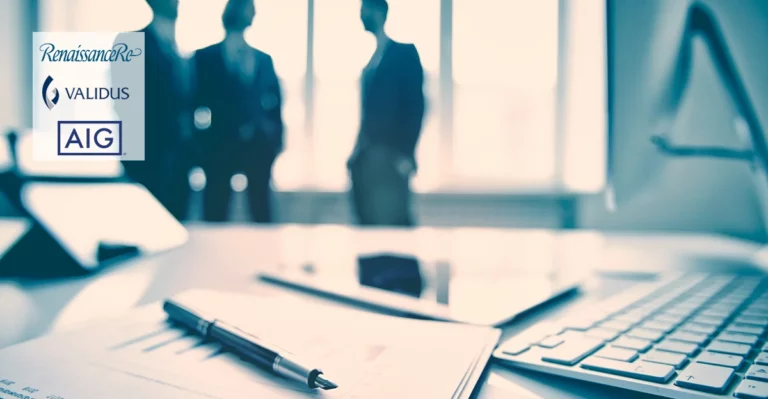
[{"x": 227, "y": 257}]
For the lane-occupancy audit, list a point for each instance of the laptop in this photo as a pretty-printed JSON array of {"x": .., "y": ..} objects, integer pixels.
[{"x": 692, "y": 335}]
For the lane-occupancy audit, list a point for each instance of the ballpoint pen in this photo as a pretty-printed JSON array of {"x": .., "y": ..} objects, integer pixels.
[{"x": 246, "y": 345}]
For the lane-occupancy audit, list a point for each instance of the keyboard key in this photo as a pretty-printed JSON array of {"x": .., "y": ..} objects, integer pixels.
[
  {"x": 668, "y": 318},
  {"x": 658, "y": 326},
  {"x": 578, "y": 324},
  {"x": 675, "y": 360},
  {"x": 624, "y": 355},
  {"x": 754, "y": 313},
  {"x": 709, "y": 321},
  {"x": 703, "y": 295},
  {"x": 749, "y": 389},
  {"x": 705, "y": 377},
  {"x": 515, "y": 350},
  {"x": 752, "y": 321},
  {"x": 736, "y": 301},
  {"x": 762, "y": 359},
  {"x": 729, "y": 348},
  {"x": 678, "y": 347},
  {"x": 642, "y": 333},
  {"x": 654, "y": 372},
  {"x": 699, "y": 328},
  {"x": 765, "y": 347},
  {"x": 760, "y": 303},
  {"x": 744, "y": 329},
  {"x": 573, "y": 350},
  {"x": 688, "y": 306},
  {"x": 514, "y": 347},
  {"x": 757, "y": 307},
  {"x": 691, "y": 304},
  {"x": 757, "y": 372},
  {"x": 603, "y": 333},
  {"x": 720, "y": 359},
  {"x": 617, "y": 325},
  {"x": 721, "y": 313},
  {"x": 551, "y": 341},
  {"x": 691, "y": 337},
  {"x": 640, "y": 345},
  {"x": 630, "y": 317},
  {"x": 537, "y": 332},
  {"x": 680, "y": 311},
  {"x": 738, "y": 338},
  {"x": 646, "y": 310},
  {"x": 748, "y": 285},
  {"x": 730, "y": 299},
  {"x": 723, "y": 307}
]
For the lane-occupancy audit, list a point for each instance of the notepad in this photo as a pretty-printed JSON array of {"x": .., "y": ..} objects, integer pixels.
[{"x": 142, "y": 355}]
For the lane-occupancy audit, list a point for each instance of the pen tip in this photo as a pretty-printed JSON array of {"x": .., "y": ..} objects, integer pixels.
[{"x": 324, "y": 383}]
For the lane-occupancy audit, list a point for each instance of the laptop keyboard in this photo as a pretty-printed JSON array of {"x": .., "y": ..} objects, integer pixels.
[{"x": 696, "y": 336}]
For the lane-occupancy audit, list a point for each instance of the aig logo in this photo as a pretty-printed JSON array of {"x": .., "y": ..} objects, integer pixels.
[{"x": 90, "y": 138}]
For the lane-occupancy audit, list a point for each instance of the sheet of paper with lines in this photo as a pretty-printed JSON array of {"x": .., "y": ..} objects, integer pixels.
[{"x": 368, "y": 355}]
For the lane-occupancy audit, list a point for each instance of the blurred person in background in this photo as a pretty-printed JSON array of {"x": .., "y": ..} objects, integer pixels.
[
  {"x": 168, "y": 112},
  {"x": 392, "y": 100},
  {"x": 239, "y": 85}
]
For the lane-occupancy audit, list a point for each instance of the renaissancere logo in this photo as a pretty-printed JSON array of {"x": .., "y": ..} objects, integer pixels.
[
  {"x": 50, "y": 102},
  {"x": 119, "y": 52}
]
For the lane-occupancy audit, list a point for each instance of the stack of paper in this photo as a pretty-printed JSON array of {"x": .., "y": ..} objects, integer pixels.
[{"x": 142, "y": 356}]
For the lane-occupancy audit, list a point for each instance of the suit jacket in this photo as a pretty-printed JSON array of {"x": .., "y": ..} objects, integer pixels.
[
  {"x": 168, "y": 91},
  {"x": 392, "y": 101},
  {"x": 234, "y": 105}
]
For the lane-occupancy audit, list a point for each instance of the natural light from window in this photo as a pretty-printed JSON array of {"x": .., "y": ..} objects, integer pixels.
[
  {"x": 505, "y": 77},
  {"x": 502, "y": 133}
]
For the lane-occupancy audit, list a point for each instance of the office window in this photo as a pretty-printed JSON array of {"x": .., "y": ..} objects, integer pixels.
[
  {"x": 280, "y": 29},
  {"x": 501, "y": 130},
  {"x": 342, "y": 48},
  {"x": 505, "y": 80},
  {"x": 584, "y": 125},
  {"x": 199, "y": 24}
]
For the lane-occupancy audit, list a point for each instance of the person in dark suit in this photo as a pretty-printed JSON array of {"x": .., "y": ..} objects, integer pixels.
[
  {"x": 168, "y": 112},
  {"x": 392, "y": 99},
  {"x": 239, "y": 85}
]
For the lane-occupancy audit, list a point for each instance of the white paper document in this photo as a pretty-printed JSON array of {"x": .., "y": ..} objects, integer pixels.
[{"x": 142, "y": 356}]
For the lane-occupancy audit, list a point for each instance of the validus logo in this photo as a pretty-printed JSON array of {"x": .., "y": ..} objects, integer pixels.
[{"x": 50, "y": 102}]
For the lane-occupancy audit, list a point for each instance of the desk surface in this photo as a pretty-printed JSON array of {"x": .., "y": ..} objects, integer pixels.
[{"x": 226, "y": 257}]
